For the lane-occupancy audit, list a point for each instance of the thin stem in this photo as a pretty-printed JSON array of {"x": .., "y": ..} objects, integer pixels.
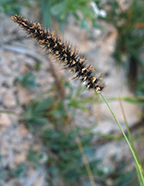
[
  {"x": 128, "y": 130},
  {"x": 130, "y": 138},
  {"x": 133, "y": 153},
  {"x": 83, "y": 155},
  {"x": 7, "y": 112}
]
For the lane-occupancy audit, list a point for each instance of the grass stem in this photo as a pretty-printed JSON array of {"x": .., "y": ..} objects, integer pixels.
[
  {"x": 138, "y": 166},
  {"x": 91, "y": 177}
]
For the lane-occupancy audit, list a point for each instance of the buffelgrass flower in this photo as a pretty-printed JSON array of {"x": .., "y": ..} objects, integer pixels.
[
  {"x": 74, "y": 62},
  {"x": 62, "y": 52}
]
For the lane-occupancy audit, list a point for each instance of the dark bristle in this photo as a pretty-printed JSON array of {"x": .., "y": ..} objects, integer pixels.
[{"x": 62, "y": 51}]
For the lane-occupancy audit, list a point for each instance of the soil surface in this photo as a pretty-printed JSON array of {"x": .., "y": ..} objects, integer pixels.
[{"x": 18, "y": 55}]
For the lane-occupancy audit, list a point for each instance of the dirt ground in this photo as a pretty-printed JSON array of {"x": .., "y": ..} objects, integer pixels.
[{"x": 18, "y": 55}]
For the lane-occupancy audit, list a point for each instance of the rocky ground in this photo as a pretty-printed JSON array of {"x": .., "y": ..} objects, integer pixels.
[{"x": 18, "y": 55}]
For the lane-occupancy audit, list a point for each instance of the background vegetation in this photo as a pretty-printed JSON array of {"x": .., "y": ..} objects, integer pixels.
[{"x": 50, "y": 116}]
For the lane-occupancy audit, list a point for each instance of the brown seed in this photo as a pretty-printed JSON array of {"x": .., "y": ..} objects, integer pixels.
[
  {"x": 28, "y": 35},
  {"x": 42, "y": 41},
  {"x": 39, "y": 25},
  {"x": 55, "y": 45},
  {"x": 54, "y": 38},
  {"x": 84, "y": 69},
  {"x": 84, "y": 78},
  {"x": 24, "y": 24},
  {"x": 71, "y": 53},
  {"x": 66, "y": 68},
  {"x": 73, "y": 62},
  {"x": 75, "y": 78},
  {"x": 59, "y": 39},
  {"x": 73, "y": 71},
  {"x": 56, "y": 52},
  {"x": 94, "y": 79},
  {"x": 100, "y": 79},
  {"x": 32, "y": 38},
  {"x": 81, "y": 60},
  {"x": 53, "y": 33},
  {"x": 41, "y": 46},
  {"x": 76, "y": 51},
  {"x": 34, "y": 24},
  {"x": 49, "y": 37},
  {"x": 90, "y": 67},
  {"x": 98, "y": 89},
  {"x": 57, "y": 60},
  {"x": 51, "y": 53},
  {"x": 87, "y": 86}
]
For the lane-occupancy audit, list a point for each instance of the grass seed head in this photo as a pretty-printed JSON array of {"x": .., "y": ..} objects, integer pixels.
[{"x": 62, "y": 51}]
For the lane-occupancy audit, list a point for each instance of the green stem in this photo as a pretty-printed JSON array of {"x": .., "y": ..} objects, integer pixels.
[
  {"x": 128, "y": 130},
  {"x": 91, "y": 177},
  {"x": 133, "y": 153}
]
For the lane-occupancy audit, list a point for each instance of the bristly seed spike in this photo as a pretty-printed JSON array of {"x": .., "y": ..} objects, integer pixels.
[{"x": 63, "y": 52}]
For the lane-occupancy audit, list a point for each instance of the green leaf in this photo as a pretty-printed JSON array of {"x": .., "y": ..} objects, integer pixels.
[
  {"x": 28, "y": 80},
  {"x": 44, "y": 105},
  {"x": 84, "y": 24},
  {"x": 58, "y": 9},
  {"x": 45, "y": 11}
]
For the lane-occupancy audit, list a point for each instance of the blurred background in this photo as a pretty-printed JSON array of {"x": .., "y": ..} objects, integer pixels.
[{"x": 44, "y": 113}]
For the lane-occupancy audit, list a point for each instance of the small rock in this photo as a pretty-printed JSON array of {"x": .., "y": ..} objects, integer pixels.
[
  {"x": 40, "y": 181},
  {"x": 6, "y": 70},
  {"x": 20, "y": 158},
  {"x": 31, "y": 178},
  {"x": 9, "y": 99},
  {"x": 23, "y": 131},
  {"x": 24, "y": 96},
  {"x": 4, "y": 120},
  {"x": 23, "y": 69},
  {"x": 105, "y": 127}
]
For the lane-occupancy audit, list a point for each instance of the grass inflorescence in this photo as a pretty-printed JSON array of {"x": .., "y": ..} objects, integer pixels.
[
  {"x": 62, "y": 51},
  {"x": 77, "y": 64}
]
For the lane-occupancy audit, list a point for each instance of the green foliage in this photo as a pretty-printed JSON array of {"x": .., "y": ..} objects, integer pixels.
[
  {"x": 130, "y": 40},
  {"x": 60, "y": 10},
  {"x": 35, "y": 157},
  {"x": 57, "y": 9},
  {"x": 130, "y": 37},
  {"x": 18, "y": 171},
  {"x": 28, "y": 80},
  {"x": 75, "y": 100},
  {"x": 140, "y": 87},
  {"x": 47, "y": 118},
  {"x": 48, "y": 110},
  {"x": 131, "y": 146},
  {"x": 10, "y": 7},
  {"x": 38, "y": 65},
  {"x": 1, "y": 173},
  {"x": 139, "y": 100},
  {"x": 43, "y": 112},
  {"x": 69, "y": 161},
  {"x": 123, "y": 178}
]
